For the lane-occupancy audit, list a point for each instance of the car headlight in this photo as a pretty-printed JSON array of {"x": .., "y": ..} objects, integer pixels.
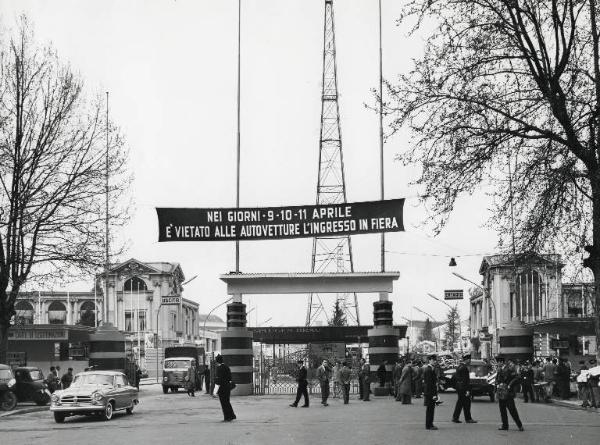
[
  {"x": 97, "y": 398},
  {"x": 11, "y": 383},
  {"x": 165, "y": 378},
  {"x": 55, "y": 398}
]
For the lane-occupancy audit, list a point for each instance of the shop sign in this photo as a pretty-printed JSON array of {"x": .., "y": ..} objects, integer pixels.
[
  {"x": 170, "y": 300},
  {"x": 37, "y": 334},
  {"x": 454, "y": 294}
]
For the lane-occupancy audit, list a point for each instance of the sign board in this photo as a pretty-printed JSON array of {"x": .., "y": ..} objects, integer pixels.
[
  {"x": 453, "y": 294},
  {"x": 37, "y": 334},
  {"x": 314, "y": 334},
  {"x": 170, "y": 300},
  {"x": 222, "y": 224}
]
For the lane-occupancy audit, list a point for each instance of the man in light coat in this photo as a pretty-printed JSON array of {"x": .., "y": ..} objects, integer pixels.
[{"x": 323, "y": 376}]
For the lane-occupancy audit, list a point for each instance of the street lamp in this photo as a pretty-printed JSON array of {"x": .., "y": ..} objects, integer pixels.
[
  {"x": 206, "y": 319},
  {"x": 455, "y": 308},
  {"x": 486, "y": 293}
]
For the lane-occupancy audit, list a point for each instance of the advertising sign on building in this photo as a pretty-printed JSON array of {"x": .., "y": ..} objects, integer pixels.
[
  {"x": 170, "y": 299},
  {"x": 222, "y": 224},
  {"x": 454, "y": 294}
]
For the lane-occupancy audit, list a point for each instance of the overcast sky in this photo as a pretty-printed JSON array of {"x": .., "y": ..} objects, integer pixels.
[{"x": 170, "y": 68}]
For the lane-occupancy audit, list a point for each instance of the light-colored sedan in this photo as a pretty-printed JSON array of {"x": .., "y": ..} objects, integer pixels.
[{"x": 94, "y": 392}]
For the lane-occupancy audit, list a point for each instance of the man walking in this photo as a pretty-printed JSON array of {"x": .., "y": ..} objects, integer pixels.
[
  {"x": 302, "y": 385},
  {"x": 67, "y": 378},
  {"x": 223, "y": 380},
  {"x": 463, "y": 389},
  {"x": 345, "y": 376},
  {"x": 430, "y": 388},
  {"x": 366, "y": 380},
  {"x": 405, "y": 386},
  {"x": 506, "y": 380},
  {"x": 323, "y": 376}
]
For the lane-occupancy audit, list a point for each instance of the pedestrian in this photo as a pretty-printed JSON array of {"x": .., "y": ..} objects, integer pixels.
[
  {"x": 223, "y": 381},
  {"x": 323, "y": 374},
  {"x": 52, "y": 380},
  {"x": 563, "y": 376},
  {"x": 381, "y": 372},
  {"x": 549, "y": 378},
  {"x": 138, "y": 376},
  {"x": 361, "y": 390},
  {"x": 405, "y": 386},
  {"x": 190, "y": 386},
  {"x": 419, "y": 379},
  {"x": 583, "y": 390},
  {"x": 337, "y": 385},
  {"x": 345, "y": 378},
  {"x": 526, "y": 374},
  {"x": 463, "y": 390},
  {"x": 67, "y": 378},
  {"x": 594, "y": 383},
  {"x": 430, "y": 391},
  {"x": 537, "y": 380},
  {"x": 366, "y": 380},
  {"x": 207, "y": 378},
  {"x": 506, "y": 381},
  {"x": 302, "y": 385},
  {"x": 396, "y": 375}
]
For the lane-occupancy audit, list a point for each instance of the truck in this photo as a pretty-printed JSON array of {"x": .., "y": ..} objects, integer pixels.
[{"x": 181, "y": 365}]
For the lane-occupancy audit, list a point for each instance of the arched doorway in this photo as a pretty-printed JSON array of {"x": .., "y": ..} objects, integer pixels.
[{"x": 87, "y": 314}]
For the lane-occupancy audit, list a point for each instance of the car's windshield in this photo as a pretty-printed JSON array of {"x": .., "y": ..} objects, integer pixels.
[
  {"x": 177, "y": 363},
  {"x": 36, "y": 374},
  {"x": 5, "y": 374},
  {"x": 92, "y": 379}
]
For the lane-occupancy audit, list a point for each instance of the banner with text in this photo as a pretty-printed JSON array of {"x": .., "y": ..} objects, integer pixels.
[{"x": 189, "y": 224}]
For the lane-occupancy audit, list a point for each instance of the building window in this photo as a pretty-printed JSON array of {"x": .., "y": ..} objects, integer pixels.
[
  {"x": 142, "y": 320},
  {"x": 57, "y": 313},
  {"x": 24, "y": 313},
  {"x": 132, "y": 324},
  {"x": 87, "y": 314},
  {"x": 129, "y": 321},
  {"x": 173, "y": 322},
  {"x": 527, "y": 304},
  {"x": 135, "y": 284}
]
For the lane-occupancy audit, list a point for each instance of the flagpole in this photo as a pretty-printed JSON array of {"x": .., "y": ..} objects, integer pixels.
[
  {"x": 237, "y": 198},
  {"x": 381, "y": 135}
]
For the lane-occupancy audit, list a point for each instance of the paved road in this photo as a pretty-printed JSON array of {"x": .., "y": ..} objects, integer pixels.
[{"x": 176, "y": 419}]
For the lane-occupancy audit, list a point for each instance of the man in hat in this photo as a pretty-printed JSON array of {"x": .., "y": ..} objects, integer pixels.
[
  {"x": 302, "y": 385},
  {"x": 430, "y": 391},
  {"x": 223, "y": 381},
  {"x": 506, "y": 380},
  {"x": 526, "y": 374},
  {"x": 463, "y": 389},
  {"x": 323, "y": 376}
]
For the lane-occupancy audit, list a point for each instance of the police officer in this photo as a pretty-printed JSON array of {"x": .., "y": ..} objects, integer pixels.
[
  {"x": 463, "y": 389},
  {"x": 508, "y": 378},
  {"x": 430, "y": 391}
]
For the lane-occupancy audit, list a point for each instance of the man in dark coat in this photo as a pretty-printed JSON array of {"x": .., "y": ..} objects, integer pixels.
[
  {"x": 526, "y": 374},
  {"x": 207, "y": 378},
  {"x": 463, "y": 389},
  {"x": 563, "y": 376},
  {"x": 381, "y": 372},
  {"x": 507, "y": 375},
  {"x": 223, "y": 380},
  {"x": 323, "y": 374},
  {"x": 430, "y": 391},
  {"x": 302, "y": 385},
  {"x": 67, "y": 378}
]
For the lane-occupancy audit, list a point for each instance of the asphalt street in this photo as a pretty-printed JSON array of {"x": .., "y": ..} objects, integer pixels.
[{"x": 176, "y": 419}]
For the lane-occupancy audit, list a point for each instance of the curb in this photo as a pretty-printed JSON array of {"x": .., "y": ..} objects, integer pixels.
[
  {"x": 574, "y": 406},
  {"x": 31, "y": 409}
]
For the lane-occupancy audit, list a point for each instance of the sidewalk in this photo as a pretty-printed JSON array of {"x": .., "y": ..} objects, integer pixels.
[{"x": 24, "y": 410}]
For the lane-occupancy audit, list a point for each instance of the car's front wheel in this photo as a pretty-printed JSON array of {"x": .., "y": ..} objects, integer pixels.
[
  {"x": 59, "y": 417},
  {"x": 108, "y": 412},
  {"x": 8, "y": 401}
]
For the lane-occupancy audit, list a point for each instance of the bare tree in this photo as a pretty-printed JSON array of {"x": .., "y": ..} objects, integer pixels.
[
  {"x": 53, "y": 144},
  {"x": 508, "y": 95}
]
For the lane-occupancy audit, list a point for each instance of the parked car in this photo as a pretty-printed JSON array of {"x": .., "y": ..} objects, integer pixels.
[
  {"x": 8, "y": 399},
  {"x": 481, "y": 376},
  {"x": 95, "y": 392},
  {"x": 30, "y": 385}
]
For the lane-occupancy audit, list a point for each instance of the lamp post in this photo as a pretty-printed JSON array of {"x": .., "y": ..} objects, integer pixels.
[
  {"x": 430, "y": 316},
  {"x": 486, "y": 294},
  {"x": 455, "y": 308},
  {"x": 206, "y": 319}
]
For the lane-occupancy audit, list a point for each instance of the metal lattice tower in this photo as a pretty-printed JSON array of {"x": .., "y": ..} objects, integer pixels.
[{"x": 331, "y": 254}]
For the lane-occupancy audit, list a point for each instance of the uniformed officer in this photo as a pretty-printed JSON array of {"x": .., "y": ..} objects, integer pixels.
[
  {"x": 430, "y": 391},
  {"x": 508, "y": 378},
  {"x": 463, "y": 389}
]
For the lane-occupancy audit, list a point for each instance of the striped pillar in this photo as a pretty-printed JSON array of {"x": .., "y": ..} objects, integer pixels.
[
  {"x": 107, "y": 348},
  {"x": 516, "y": 341},
  {"x": 383, "y": 343},
  {"x": 236, "y": 349}
]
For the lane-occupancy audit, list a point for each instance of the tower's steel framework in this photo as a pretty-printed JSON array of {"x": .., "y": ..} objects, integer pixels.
[{"x": 331, "y": 254}]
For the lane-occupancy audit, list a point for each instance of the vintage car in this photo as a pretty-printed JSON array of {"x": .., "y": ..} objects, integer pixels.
[
  {"x": 481, "y": 377},
  {"x": 94, "y": 392},
  {"x": 30, "y": 385},
  {"x": 8, "y": 399}
]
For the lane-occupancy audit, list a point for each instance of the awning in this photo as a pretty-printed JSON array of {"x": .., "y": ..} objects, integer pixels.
[{"x": 564, "y": 326}]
